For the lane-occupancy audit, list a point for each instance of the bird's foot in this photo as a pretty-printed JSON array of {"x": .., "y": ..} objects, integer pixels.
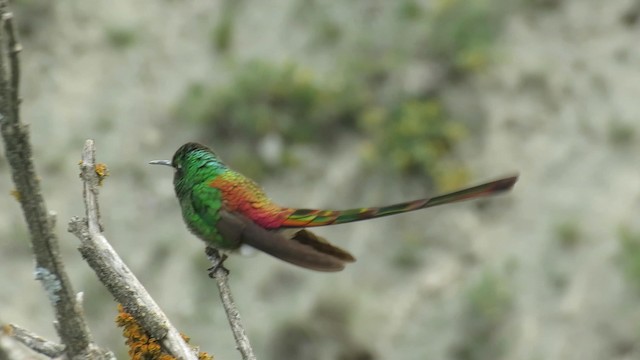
[{"x": 217, "y": 260}]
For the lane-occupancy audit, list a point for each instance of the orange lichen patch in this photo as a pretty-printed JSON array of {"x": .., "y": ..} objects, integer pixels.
[
  {"x": 102, "y": 172},
  {"x": 16, "y": 194},
  {"x": 141, "y": 345},
  {"x": 201, "y": 355},
  {"x": 204, "y": 356},
  {"x": 7, "y": 329}
]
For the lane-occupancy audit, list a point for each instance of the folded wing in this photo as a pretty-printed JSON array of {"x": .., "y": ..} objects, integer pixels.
[{"x": 296, "y": 246}]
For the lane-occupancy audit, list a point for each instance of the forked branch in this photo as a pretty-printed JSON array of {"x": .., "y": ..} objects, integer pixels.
[{"x": 113, "y": 272}]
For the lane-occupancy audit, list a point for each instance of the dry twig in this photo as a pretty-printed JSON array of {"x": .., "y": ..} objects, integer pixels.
[
  {"x": 112, "y": 271},
  {"x": 35, "y": 342}
]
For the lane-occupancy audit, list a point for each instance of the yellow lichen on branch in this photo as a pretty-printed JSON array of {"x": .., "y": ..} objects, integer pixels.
[
  {"x": 141, "y": 345},
  {"x": 102, "y": 171},
  {"x": 16, "y": 194}
]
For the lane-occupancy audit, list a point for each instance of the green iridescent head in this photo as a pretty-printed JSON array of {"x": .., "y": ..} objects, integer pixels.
[
  {"x": 187, "y": 154},
  {"x": 193, "y": 163}
]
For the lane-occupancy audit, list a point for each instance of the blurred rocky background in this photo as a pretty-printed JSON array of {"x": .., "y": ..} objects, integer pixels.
[{"x": 342, "y": 104}]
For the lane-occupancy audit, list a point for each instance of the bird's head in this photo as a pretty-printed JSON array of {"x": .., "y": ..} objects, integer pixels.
[{"x": 193, "y": 163}]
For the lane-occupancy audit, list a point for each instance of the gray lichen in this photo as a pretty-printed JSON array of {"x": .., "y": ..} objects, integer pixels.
[{"x": 50, "y": 282}]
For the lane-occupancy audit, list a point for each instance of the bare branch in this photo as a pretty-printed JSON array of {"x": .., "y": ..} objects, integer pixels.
[
  {"x": 220, "y": 274},
  {"x": 14, "y": 64},
  {"x": 112, "y": 271},
  {"x": 72, "y": 329},
  {"x": 11, "y": 348},
  {"x": 35, "y": 342}
]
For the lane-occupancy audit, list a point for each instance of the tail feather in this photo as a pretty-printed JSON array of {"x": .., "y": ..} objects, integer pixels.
[
  {"x": 310, "y": 217},
  {"x": 298, "y": 247}
]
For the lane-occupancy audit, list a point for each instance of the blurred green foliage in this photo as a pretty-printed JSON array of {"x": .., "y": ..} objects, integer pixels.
[
  {"x": 408, "y": 255},
  {"x": 416, "y": 137},
  {"x": 120, "y": 37},
  {"x": 410, "y": 132},
  {"x": 222, "y": 32},
  {"x": 320, "y": 23},
  {"x": 568, "y": 233},
  {"x": 489, "y": 300},
  {"x": 222, "y": 35},
  {"x": 630, "y": 254},
  {"x": 488, "y": 307},
  {"x": 328, "y": 32},
  {"x": 409, "y": 10},
  {"x": 411, "y": 135},
  {"x": 621, "y": 134},
  {"x": 462, "y": 32},
  {"x": 264, "y": 98}
]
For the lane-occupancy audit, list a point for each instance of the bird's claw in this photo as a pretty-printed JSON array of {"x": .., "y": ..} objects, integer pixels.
[{"x": 215, "y": 255}]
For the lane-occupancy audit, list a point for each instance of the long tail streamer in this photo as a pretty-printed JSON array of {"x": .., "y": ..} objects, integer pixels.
[{"x": 310, "y": 217}]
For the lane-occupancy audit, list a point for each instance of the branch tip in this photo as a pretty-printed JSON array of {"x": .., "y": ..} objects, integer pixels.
[{"x": 33, "y": 341}]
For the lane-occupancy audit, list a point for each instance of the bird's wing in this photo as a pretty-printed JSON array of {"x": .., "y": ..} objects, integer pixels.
[
  {"x": 296, "y": 246},
  {"x": 226, "y": 229}
]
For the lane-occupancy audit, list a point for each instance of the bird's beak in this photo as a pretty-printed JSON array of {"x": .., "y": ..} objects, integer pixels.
[{"x": 160, "y": 162}]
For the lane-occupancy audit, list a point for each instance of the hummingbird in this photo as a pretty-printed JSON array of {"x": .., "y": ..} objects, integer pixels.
[{"x": 227, "y": 210}]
